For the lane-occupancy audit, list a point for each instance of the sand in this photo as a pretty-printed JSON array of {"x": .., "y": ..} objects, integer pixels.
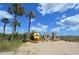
[{"x": 49, "y": 48}]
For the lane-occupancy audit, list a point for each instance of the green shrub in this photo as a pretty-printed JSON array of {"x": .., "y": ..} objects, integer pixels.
[{"x": 31, "y": 35}]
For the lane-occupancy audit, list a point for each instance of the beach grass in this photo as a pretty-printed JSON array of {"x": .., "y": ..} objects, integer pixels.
[{"x": 6, "y": 45}]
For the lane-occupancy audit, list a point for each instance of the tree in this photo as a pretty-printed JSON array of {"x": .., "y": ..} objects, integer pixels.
[
  {"x": 5, "y": 21},
  {"x": 16, "y": 10},
  {"x": 15, "y": 24},
  {"x": 30, "y": 15}
]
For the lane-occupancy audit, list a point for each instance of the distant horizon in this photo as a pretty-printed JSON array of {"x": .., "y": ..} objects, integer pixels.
[{"x": 62, "y": 18}]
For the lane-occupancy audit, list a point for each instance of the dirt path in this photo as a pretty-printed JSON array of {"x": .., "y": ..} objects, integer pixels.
[{"x": 46, "y": 48}]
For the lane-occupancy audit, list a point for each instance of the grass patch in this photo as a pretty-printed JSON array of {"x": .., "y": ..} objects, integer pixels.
[{"x": 6, "y": 45}]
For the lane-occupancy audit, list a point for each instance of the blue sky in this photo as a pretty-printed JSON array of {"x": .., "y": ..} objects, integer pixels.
[{"x": 62, "y": 18}]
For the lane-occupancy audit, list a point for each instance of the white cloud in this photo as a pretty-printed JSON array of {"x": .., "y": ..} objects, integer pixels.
[
  {"x": 7, "y": 30},
  {"x": 5, "y": 14},
  {"x": 70, "y": 23},
  {"x": 48, "y": 8},
  {"x": 32, "y": 20},
  {"x": 40, "y": 28},
  {"x": 63, "y": 16},
  {"x": 74, "y": 28},
  {"x": 57, "y": 29}
]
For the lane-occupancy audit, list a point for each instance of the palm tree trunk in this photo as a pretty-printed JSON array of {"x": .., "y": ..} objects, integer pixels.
[
  {"x": 14, "y": 29},
  {"x": 4, "y": 30},
  {"x": 29, "y": 25},
  {"x": 12, "y": 36},
  {"x": 28, "y": 37},
  {"x": 13, "y": 32}
]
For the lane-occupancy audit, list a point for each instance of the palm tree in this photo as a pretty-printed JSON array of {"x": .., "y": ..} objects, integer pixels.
[
  {"x": 16, "y": 10},
  {"x": 30, "y": 15},
  {"x": 15, "y": 24},
  {"x": 5, "y": 21}
]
